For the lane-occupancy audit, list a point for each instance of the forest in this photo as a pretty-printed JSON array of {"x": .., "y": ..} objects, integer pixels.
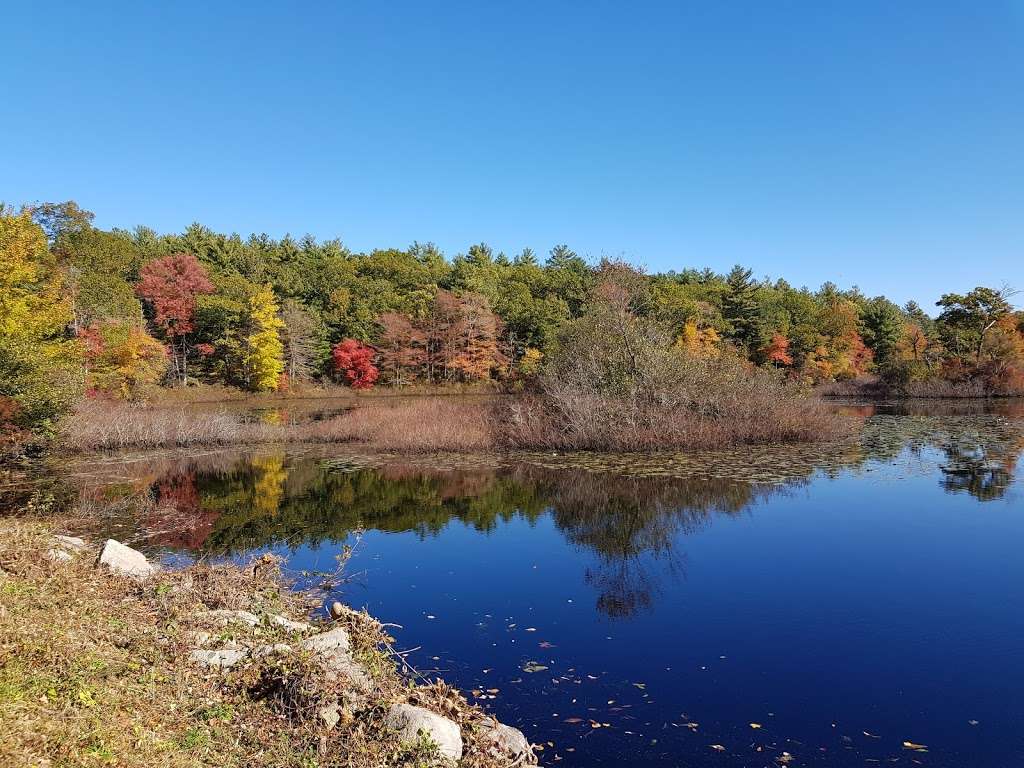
[{"x": 120, "y": 313}]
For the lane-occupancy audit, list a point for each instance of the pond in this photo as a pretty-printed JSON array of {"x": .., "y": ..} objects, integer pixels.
[{"x": 761, "y": 606}]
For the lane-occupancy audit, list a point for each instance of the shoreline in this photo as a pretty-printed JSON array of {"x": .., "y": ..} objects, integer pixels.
[{"x": 222, "y": 661}]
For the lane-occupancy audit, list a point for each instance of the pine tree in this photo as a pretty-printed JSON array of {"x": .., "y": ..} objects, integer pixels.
[{"x": 741, "y": 311}]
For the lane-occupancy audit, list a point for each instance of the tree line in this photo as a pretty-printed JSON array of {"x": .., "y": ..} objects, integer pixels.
[{"x": 120, "y": 311}]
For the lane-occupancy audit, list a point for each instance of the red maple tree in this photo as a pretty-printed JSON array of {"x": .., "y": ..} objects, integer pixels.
[
  {"x": 172, "y": 285},
  {"x": 355, "y": 360}
]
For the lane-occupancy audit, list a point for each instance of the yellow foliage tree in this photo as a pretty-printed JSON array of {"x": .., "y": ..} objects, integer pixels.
[
  {"x": 530, "y": 362},
  {"x": 697, "y": 341},
  {"x": 121, "y": 358},
  {"x": 264, "y": 357},
  {"x": 40, "y": 367}
]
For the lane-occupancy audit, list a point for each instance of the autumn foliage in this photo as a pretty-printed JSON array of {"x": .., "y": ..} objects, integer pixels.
[
  {"x": 171, "y": 285},
  {"x": 353, "y": 360}
]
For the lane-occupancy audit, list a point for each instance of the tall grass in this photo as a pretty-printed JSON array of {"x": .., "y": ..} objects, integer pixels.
[{"x": 420, "y": 424}]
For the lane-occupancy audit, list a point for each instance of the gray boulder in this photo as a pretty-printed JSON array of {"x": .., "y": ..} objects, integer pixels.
[
  {"x": 335, "y": 650},
  {"x": 65, "y": 549},
  {"x": 333, "y": 641},
  {"x": 70, "y": 543},
  {"x": 224, "y": 658},
  {"x": 291, "y": 626},
  {"x": 507, "y": 744},
  {"x": 223, "y": 616},
  {"x": 412, "y": 723},
  {"x": 125, "y": 560}
]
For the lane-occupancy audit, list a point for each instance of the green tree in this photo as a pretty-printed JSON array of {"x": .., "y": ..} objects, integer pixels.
[
  {"x": 966, "y": 319},
  {"x": 741, "y": 310}
]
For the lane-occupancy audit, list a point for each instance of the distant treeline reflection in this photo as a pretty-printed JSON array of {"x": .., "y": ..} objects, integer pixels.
[{"x": 227, "y": 504}]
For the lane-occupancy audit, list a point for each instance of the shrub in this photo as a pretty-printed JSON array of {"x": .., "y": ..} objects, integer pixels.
[{"x": 617, "y": 382}]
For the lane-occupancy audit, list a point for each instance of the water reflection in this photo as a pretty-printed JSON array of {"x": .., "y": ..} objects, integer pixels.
[{"x": 630, "y": 513}]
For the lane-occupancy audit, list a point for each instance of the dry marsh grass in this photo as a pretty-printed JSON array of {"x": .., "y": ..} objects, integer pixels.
[
  {"x": 420, "y": 424},
  {"x": 737, "y": 411}
]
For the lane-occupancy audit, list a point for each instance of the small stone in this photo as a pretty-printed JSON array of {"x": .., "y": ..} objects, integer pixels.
[
  {"x": 337, "y": 610},
  {"x": 291, "y": 626},
  {"x": 507, "y": 744},
  {"x": 328, "y": 642},
  {"x": 224, "y": 658},
  {"x": 410, "y": 722},
  {"x": 331, "y": 715},
  {"x": 58, "y": 555},
  {"x": 223, "y": 616},
  {"x": 70, "y": 542},
  {"x": 125, "y": 560},
  {"x": 201, "y": 638}
]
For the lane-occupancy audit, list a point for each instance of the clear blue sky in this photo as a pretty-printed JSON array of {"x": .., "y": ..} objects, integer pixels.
[{"x": 875, "y": 143}]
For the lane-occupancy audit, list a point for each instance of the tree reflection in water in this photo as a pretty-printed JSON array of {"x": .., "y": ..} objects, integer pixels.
[{"x": 226, "y": 504}]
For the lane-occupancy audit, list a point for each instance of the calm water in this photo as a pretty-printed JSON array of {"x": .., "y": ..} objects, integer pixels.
[{"x": 844, "y": 600}]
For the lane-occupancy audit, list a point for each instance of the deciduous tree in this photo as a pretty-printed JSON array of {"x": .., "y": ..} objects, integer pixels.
[
  {"x": 172, "y": 285},
  {"x": 264, "y": 351},
  {"x": 40, "y": 368},
  {"x": 354, "y": 361}
]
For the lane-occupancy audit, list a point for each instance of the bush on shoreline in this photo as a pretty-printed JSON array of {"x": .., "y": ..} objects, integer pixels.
[{"x": 619, "y": 382}]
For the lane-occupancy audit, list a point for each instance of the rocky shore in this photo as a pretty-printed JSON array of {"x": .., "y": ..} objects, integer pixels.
[{"x": 234, "y": 641}]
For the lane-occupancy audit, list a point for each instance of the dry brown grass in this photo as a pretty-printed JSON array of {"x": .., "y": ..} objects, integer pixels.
[
  {"x": 728, "y": 411},
  {"x": 427, "y": 424},
  {"x": 92, "y": 673},
  {"x": 408, "y": 425}
]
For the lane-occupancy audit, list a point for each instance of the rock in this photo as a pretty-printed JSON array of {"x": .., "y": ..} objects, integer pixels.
[
  {"x": 223, "y": 616},
  {"x": 125, "y": 560},
  {"x": 410, "y": 722},
  {"x": 268, "y": 650},
  {"x": 291, "y": 626},
  {"x": 201, "y": 638},
  {"x": 58, "y": 555},
  {"x": 66, "y": 547},
  {"x": 331, "y": 715},
  {"x": 221, "y": 659},
  {"x": 506, "y": 744},
  {"x": 70, "y": 542},
  {"x": 337, "y": 610},
  {"x": 334, "y": 641}
]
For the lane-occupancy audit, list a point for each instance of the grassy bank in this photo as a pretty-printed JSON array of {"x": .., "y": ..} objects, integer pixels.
[{"x": 95, "y": 671}]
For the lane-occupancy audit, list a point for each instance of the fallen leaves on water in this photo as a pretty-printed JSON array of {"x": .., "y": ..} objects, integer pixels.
[
  {"x": 914, "y": 747},
  {"x": 756, "y": 725},
  {"x": 573, "y": 720},
  {"x": 717, "y": 747},
  {"x": 533, "y": 666}
]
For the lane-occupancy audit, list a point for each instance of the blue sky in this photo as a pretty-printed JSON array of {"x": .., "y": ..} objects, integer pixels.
[{"x": 871, "y": 143}]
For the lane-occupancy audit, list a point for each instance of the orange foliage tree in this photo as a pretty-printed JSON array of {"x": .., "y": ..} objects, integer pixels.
[{"x": 776, "y": 351}]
